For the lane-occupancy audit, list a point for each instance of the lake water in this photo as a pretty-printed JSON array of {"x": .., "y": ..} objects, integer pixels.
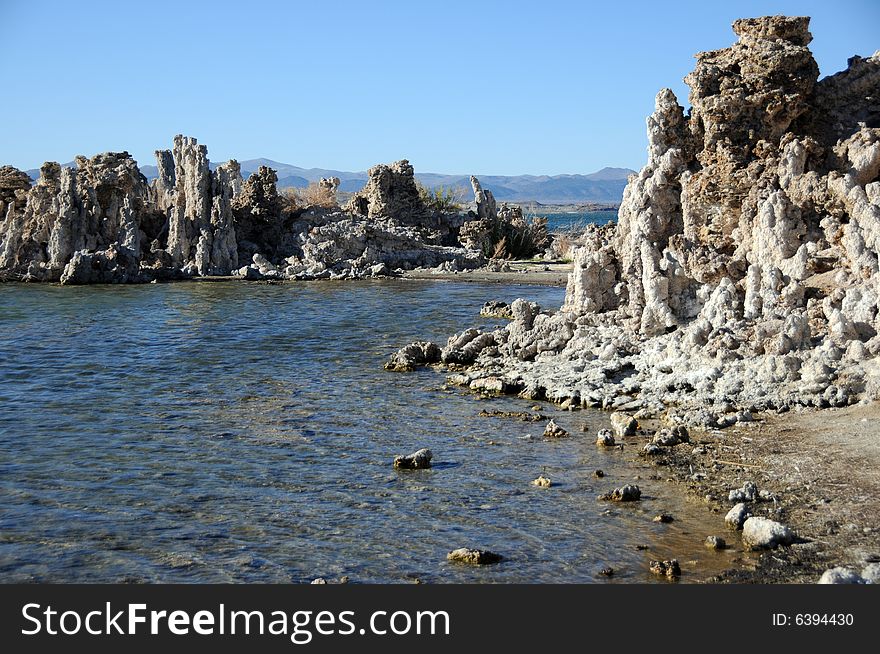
[
  {"x": 233, "y": 432},
  {"x": 562, "y": 221}
]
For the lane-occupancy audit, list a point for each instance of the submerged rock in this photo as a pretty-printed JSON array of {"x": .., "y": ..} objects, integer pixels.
[
  {"x": 473, "y": 556},
  {"x": 417, "y": 460}
]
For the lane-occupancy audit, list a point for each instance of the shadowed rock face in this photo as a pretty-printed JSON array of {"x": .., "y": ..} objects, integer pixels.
[
  {"x": 390, "y": 191},
  {"x": 745, "y": 268},
  {"x": 14, "y": 185}
]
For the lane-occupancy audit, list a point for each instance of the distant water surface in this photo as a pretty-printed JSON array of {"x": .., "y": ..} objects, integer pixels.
[
  {"x": 563, "y": 221},
  {"x": 232, "y": 432}
]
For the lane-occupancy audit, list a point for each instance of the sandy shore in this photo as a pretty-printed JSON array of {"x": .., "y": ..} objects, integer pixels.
[
  {"x": 821, "y": 466},
  {"x": 549, "y": 273}
]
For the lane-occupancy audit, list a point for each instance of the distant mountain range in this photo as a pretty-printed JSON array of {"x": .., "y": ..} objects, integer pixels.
[{"x": 604, "y": 186}]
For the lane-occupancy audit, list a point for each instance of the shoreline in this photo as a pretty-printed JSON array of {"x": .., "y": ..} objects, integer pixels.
[
  {"x": 823, "y": 477},
  {"x": 545, "y": 273},
  {"x": 819, "y": 465}
]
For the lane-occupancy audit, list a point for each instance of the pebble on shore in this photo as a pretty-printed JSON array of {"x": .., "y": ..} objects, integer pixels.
[{"x": 763, "y": 533}]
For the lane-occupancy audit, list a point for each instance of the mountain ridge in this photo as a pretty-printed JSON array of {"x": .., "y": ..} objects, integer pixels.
[{"x": 604, "y": 186}]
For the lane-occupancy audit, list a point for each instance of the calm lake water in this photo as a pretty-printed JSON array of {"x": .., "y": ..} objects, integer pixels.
[
  {"x": 563, "y": 221},
  {"x": 232, "y": 432}
]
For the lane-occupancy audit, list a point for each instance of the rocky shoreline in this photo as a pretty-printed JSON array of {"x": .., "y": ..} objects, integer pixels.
[{"x": 742, "y": 279}]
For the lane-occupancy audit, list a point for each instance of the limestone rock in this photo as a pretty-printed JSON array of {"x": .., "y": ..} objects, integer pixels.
[
  {"x": 841, "y": 576},
  {"x": 623, "y": 424},
  {"x": 390, "y": 192},
  {"x": 744, "y": 271},
  {"x": 737, "y": 516},
  {"x": 762, "y": 533},
  {"x": 627, "y": 493},
  {"x": 417, "y": 460},
  {"x": 668, "y": 568},
  {"x": 419, "y": 353},
  {"x": 552, "y": 430},
  {"x": 496, "y": 309},
  {"x": 473, "y": 556}
]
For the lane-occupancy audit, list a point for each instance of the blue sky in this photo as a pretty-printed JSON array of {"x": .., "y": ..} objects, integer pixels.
[{"x": 456, "y": 87}]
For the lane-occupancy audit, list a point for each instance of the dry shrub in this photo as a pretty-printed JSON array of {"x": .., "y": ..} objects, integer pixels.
[
  {"x": 313, "y": 195},
  {"x": 289, "y": 199},
  {"x": 317, "y": 195}
]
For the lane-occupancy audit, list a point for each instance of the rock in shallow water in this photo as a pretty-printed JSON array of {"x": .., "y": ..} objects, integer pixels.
[
  {"x": 668, "y": 568},
  {"x": 552, "y": 430},
  {"x": 473, "y": 556},
  {"x": 628, "y": 493},
  {"x": 605, "y": 438},
  {"x": 409, "y": 357},
  {"x": 417, "y": 460},
  {"x": 496, "y": 309},
  {"x": 737, "y": 516},
  {"x": 623, "y": 424},
  {"x": 715, "y": 543}
]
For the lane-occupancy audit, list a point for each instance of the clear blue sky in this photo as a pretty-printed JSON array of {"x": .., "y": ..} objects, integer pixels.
[{"x": 456, "y": 87}]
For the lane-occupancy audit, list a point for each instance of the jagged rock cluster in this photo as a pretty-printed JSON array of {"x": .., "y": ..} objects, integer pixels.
[
  {"x": 744, "y": 269},
  {"x": 103, "y": 223},
  {"x": 502, "y": 232}
]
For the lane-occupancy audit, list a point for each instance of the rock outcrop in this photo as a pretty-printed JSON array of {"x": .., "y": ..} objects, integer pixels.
[
  {"x": 103, "y": 223},
  {"x": 502, "y": 232},
  {"x": 743, "y": 273}
]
